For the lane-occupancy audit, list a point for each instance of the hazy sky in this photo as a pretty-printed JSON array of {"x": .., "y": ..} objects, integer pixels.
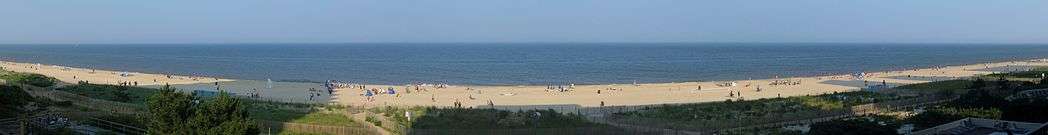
[{"x": 255, "y": 21}]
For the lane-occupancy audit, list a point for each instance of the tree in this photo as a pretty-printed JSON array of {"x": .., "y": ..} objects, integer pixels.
[
  {"x": 176, "y": 113},
  {"x": 170, "y": 111},
  {"x": 223, "y": 115},
  {"x": 12, "y": 98},
  {"x": 1027, "y": 110}
]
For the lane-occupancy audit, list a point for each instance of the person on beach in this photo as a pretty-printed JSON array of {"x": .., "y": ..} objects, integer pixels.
[
  {"x": 492, "y": 104},
  {"x": 310, "y": 96},
  {"x": 368, "y": 94},
  {"x": 457, "y": 103}
]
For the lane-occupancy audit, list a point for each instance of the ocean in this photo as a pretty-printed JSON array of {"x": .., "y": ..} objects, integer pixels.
[{"x": 513, "y": 63}]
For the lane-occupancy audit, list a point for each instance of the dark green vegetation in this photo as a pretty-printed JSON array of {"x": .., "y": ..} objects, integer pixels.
[
  {"x": 986, "y": 99},
  {"x": 262, "y": 110},
  {"x": 12, "y": 99},
  {"x": 462, "y": 118},
  {"x": 1033, "y": 73},
  {"x": 26, "y": 78},
  {"x": 432, "y": 120},
  {"x": 167, "y": 111},
  {"x": 941, "y": 115},
  {"x": 859, "y": 126},
  {"x": 172, "y": 112},
  {"x": 791, "y": 107},
  {"x": 949, "y": 87}
]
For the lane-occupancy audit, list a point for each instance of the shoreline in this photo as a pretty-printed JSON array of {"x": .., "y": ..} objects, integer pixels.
[{"x": 581, "y": 94}]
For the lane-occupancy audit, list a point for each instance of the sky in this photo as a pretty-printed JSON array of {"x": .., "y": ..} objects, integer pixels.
[{"x": 341, "y": 21}]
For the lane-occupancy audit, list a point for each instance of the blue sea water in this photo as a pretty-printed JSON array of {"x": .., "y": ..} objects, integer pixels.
[{"x": 514, "y": 63}]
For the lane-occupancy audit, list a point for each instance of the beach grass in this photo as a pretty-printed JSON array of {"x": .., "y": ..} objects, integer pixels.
[
  {"x": 954, "y": 86},
  {"x": 1033, "y": 73},
  {"x": 126, "y": 94},
  {"x": 27, "y": 78},
  {"x": 762, "y": 108},
  {"x": 465, "y": 118},
  {"x": 284, "y": 115}
]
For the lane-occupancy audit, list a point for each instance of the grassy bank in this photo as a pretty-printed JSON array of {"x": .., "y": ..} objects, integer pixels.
[
  {"x": 758, "y": 109},
  {"x": 27, "y": 78},
  {"x": 259, "y": 110}
]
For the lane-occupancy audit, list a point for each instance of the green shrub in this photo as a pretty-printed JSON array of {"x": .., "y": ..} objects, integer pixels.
[
  {"x": 943, "y": 115},
  {"x": 27, "y": 78},
  {"x": 851, "y": 127},
  {"x": 12, "y": 98}
]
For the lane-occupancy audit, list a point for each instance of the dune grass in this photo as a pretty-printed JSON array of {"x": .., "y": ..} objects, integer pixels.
[
  {"x": 27, "y": 78},
  {"x": 763, "y": 108}
]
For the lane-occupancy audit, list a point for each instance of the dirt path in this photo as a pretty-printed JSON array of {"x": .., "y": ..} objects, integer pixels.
[{"x": 362, "y": 117}]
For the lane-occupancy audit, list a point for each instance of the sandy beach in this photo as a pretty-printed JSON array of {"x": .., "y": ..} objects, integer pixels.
[
  {"x": 659, "y": 93},
  {"x": 73, "y": 75},
  {"x": 582, "y": 95}
]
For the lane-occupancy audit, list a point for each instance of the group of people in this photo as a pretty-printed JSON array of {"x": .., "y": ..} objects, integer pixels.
[
  {"x": 370, "y": 93},
  {"x": 784, "y": 82},
  {"x": 335, "y": 84},
  {"x": 559, "y": 88},
  {"x": 128, "y": 83},
  {"x": 313, "y": 92}
]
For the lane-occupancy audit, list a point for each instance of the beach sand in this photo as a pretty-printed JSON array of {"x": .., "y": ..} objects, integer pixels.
[
  {"x": 581, "y": 95},
  {"x": 72, "y": 75},
  {"x": 662, "y": 93}
]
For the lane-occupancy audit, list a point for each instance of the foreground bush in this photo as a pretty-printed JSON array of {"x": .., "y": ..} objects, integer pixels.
[
  {"x": 12, "y": 98},
  {"x": 179, "y": 113}
]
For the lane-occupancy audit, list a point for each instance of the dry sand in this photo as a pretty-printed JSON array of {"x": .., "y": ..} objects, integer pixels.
[
  {"x": 660, "y": 93},
  {"x": 73, "y": 75},
  {"x": 583, "y": 95}
]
